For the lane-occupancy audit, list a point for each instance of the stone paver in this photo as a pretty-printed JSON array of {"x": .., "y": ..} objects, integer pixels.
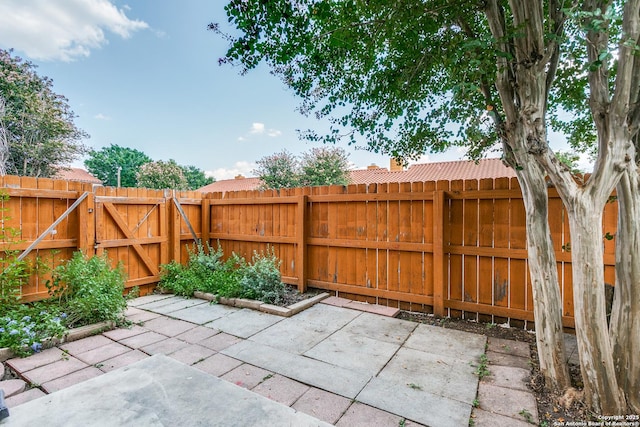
[
  {"x": 447, "y": 342},
  {"x": 203, "y": 313},
  {"x": 151, "y": 304},
  {"x": 122, "y": 333},
  {"x": 359, "y": 415},
  {"x": 147, "y": 299},
  {"x": 166, "y": 347},
  {"x": 293, "y": 336},
  {"x": 71, "y": 379},
  {"x": 169, "y": 327},
  {"x": 54, "y": 370},
  {"x": 219, "y": 341},
  {"x": 335, "y": 379},
  {"x": 218, "y": 364},
  {"x": 506, "y": 401},
  {"x": 373, "y": 308},
  {"x": 20, "y": 398},
  {"x": 354, "y": 352},
  {"x": 193, "y": 353},
  {"x": 36, "y": 360},
  {"x": 386, "y": 329},
  {"x": 508, "y": 376},
  {"x": 415, "y": 403},
  {"x": 197, "y": 334},
  {"x": 503, "y": 359},
  {"x": 247, "y": 376},
  {"x": 12, "y": 387},
  {"x": 142, "y": 340},
  {"x": 86, "y": 344},
  {"x": 323, "y": 405},
  {"x": 281, "y": 389},
  {"x": 336, "y": 301},
  {"x": 100, "y": 354},
  {"x": 124, "y": 359},
  {"x": 174, "y": 306},
  {"x": 244, "y": 323},
  {"x": 143, "y": 317},
  {"x": 488, "y": 419},
  {"x": 514, "y": 348}
]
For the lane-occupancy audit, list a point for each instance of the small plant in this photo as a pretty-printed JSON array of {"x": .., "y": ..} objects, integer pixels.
[
  {"x": 527, "y": 416},
  {"x": 402, "y": 422},
  {"x": 414, "y": 386},
  {"x": 476, "y": 403},
  {"x": 482, "y": 370},
  {"x": 89, "y": 290}
]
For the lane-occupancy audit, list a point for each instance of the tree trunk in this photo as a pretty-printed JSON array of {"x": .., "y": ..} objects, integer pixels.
[
  {"x": 547, "y": 303},
  {"x": 596, "y": 361},
  {"x": 624, "y": 328}
]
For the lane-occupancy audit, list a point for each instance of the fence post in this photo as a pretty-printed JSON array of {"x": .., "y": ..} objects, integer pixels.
[
  {"x": 173, "y": 218},
  {"x": 87, "y": 223},
  {"x": 301, "y": 244},
  {"x": 206, "y": 222},
  {"x": 439, "y": 285}
]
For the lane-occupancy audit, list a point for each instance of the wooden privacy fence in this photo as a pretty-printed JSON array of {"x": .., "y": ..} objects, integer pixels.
[{"x": 457, "y": 248}]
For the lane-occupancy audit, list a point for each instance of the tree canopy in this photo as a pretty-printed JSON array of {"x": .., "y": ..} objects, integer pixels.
[
  {"x": 37, "y": 130},
  {"x": 195, "y": 177},
  {"x": 105, "y": 162},
  {"x": 161, "y": 175},
  {"x": 318, "y": 166}
]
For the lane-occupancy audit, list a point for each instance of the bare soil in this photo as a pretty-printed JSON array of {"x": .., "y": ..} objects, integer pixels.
[{"x": 552, "y": 408}]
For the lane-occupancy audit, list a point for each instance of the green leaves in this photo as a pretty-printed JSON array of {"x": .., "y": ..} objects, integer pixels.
[{"x": 38, "y": 123}]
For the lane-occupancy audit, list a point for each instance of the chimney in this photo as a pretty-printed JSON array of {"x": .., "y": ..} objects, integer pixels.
[
  {"x": 240, "y": 176},
  {"x": 395, "y": 166},
  {"x": 373, "y": 166}
]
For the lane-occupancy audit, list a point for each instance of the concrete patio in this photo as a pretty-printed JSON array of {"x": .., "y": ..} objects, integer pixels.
[{"x": 328, "y": 364}]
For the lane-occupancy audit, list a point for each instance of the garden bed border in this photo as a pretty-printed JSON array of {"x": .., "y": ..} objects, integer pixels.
[{"x": 288, "y": 311}]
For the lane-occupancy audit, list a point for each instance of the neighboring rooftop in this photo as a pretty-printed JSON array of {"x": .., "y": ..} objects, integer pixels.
[
  {"x": 77, "y": 174},
  {"x": 449, "y": 171}
]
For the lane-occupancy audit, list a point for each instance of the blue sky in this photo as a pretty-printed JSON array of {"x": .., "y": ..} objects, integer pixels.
[{"x": 144, "y": 74}]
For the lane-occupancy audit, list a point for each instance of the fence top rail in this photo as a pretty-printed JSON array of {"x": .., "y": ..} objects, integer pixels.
[
  {"x": 123, "y": 200},
  {"x": 256, "y": 201},
  {"x": 40, "y": 193}
]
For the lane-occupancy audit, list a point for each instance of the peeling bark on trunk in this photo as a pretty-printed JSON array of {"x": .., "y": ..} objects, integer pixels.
[
  {"x": 624, "y": 328},
  {"x": 544, "y": 280},
  {"x": 594, "y": 346}
]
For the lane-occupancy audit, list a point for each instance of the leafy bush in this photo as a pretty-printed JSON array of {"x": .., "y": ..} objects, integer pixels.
[
  {"x": 233, "y": 278},
  {"x": 261, "y": 279},
  {"x": 89, "y": 290},
  {"x": 23, "y": 328},
  {"x": 196, "y": 275}
]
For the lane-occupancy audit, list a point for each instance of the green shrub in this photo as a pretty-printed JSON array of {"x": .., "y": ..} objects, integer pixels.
[
  {"x": 225, "y": 282},
  {"x": 89, "y": 290},
  {"x": 197, "y": 275},
  {"x": 261, "y": 279}
]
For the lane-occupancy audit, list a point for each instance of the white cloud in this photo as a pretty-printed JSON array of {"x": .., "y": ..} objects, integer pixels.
[
  {"x": 239, "y": 168},
  {"x": 257, "y": 128},
  {"x": 101, "y": 116},
  {"x": 62, "y": 30}
]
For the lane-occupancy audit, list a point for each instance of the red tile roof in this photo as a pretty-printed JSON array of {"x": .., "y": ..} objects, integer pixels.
[
  {"x": 236, "y": 184},
  {"x": 77, "y": 174},
  {"x": 449, "y": 171}
]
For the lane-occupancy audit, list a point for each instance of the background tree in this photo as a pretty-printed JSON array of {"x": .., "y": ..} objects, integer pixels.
[
  {"x": 280, "y": 170},
  {"x": 396, "y": 74},
  {"x": 161, "y": 175},
  {"x": 36, "y": 123},
  {"x": 324, "y": 166},
  {"x": 104, "y": 163},
  {"x": 195, "y": 177}
]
